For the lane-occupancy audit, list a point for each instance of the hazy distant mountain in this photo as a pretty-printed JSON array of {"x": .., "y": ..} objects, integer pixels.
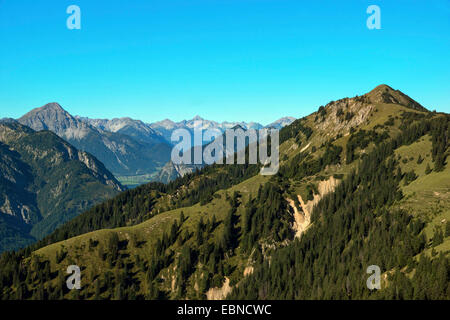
[
  {"x": 137, "y": 129},
  {"x": 7, "y": 120},
  {"x": 130, "y": 148},
  {"x": 280, "y": 123},
  {"x": 166, "y": 127},
  {"x": 44, "y": 182},
  {"x": 172, "y": 171}
]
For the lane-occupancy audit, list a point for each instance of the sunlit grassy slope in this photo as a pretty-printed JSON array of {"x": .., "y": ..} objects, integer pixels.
[{"x": 429, "y": 195}]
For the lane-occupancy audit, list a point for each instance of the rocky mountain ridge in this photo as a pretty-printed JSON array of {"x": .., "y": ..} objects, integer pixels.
[{"x": 129, "y": 153}]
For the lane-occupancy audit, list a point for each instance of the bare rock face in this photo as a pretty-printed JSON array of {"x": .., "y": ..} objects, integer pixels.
[
  {"x": 98, "y": 170},
  {"x": 344, "y": 114},
  {"x": 220, "y": 293},
  {"x": 338, "y": 117},
  {"x": 171, "y": 171},
  {"x": 54, "y": 118},
  {"x": 16, "y": 209},
  {"x": 302, "y": 217}
]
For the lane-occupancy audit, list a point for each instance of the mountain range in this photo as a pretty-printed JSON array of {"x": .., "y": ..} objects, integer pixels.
[
  {"x": 171, "y": 171},
  {"x": 127, "y": 147},
  {"x": 363, "y": 182},
  {"x": 166, "y": 127}
]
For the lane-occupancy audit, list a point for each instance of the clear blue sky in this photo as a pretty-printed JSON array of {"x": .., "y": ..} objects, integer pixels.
[{"x": 250, "y": 60}]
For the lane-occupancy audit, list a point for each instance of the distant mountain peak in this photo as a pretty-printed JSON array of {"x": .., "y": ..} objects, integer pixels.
[
  {"x": 124, "y": 145},
  {"x": 52, "y": 106},
  {"x": 197, "y": 118},
  {"x": 48, "y": 110},
  {"x": 238, "y": 126},
  {"x": 280, "y": 123},
  {"x": 48, "y": 117}
]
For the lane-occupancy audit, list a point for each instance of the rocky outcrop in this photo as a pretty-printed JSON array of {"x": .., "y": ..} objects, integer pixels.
[
  {"x": 342, "y": 115},
  {"x": 171, "y": 171},
  {"x": 99, "y": 171},
  {"x": 219, "y": 293},
  {"x": 302, "y": 218}
]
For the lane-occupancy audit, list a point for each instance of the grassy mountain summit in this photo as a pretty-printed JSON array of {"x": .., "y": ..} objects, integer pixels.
[
  {"x": 363, "y": 181},
  {"x": 44, "y": 182},
  {"x": 385, "y": 94}
]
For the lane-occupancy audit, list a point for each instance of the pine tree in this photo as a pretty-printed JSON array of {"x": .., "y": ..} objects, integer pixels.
[
  {"x": 97, "y": 290},
  {"x": 118, "y": 294},
  {"x": 439, "y": 163}
]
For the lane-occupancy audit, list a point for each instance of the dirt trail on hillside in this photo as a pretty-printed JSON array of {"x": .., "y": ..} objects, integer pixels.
[
  {"x": 302, "y": 219},
  {"x": 306, "y": 147}
]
